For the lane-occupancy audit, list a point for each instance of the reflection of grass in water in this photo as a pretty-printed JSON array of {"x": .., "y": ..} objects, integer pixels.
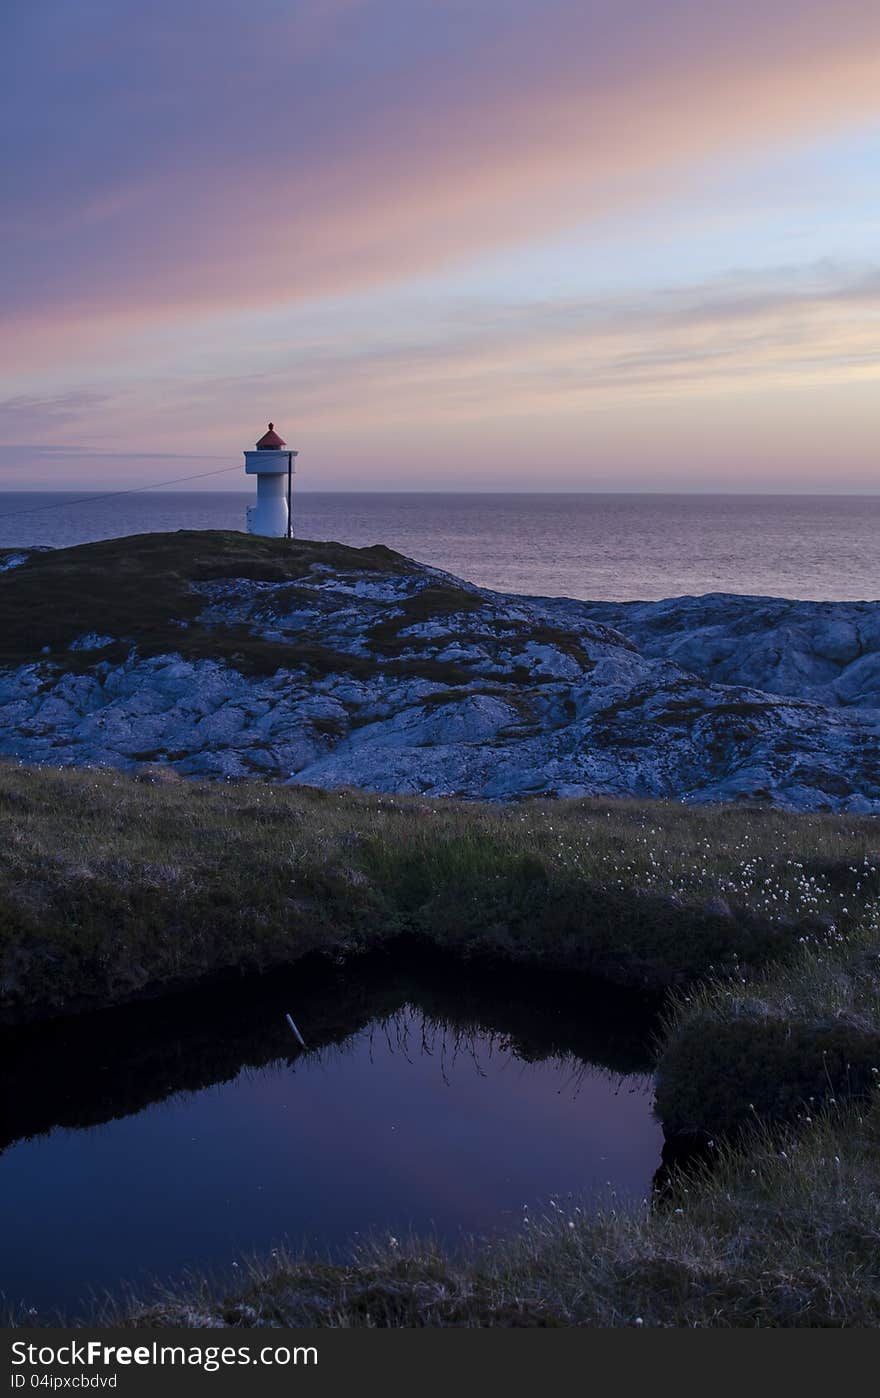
[
  {"x": 92, "y": 1068},
  {"x": 411, "y": 1033}
]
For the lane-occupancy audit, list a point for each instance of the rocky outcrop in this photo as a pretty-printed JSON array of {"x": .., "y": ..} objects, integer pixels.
[
  {"x": 826, "y": 651},
  {"x": 361, "y": 668}
]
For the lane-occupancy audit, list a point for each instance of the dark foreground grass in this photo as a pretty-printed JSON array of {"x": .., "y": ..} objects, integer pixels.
[
  {"x": 778, "y": 1047},
  {"x": 111, "y": 886}
]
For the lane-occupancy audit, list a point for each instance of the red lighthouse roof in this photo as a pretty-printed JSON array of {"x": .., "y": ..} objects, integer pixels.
[{"x": 270, "y": 440}]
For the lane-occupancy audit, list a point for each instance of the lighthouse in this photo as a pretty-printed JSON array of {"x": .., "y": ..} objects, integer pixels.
[{"x": 271, "y": 462}]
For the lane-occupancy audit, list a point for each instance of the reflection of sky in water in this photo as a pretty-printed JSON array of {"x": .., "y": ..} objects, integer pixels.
[{"x": 399, "y": 1128}]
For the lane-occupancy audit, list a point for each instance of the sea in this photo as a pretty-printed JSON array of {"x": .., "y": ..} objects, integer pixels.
[{"x": 594, "y": 547}]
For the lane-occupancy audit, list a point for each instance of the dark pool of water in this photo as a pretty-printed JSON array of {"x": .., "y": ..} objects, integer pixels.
[{"x": 143, "y": 1141}]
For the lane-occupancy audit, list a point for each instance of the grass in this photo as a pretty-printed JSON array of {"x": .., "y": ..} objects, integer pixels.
[
  {"x": 110, "y": 886},
  {"x": 143, "y": 593},
  {"x": 780, "y": 1230},
  {"x": 437, "y": 600},
  {"x": 140, "y": 592},
  {"x": 774, "y": 1047}
]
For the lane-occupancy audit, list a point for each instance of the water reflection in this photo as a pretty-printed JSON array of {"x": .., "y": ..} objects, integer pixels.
[{"x": 154, "y": 1137}]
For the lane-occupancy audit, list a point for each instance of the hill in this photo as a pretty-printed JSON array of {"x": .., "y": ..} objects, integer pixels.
[{"x": 224, "y": 655}]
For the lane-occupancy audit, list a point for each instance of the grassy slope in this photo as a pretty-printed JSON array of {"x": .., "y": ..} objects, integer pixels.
[
  {"x": 138, "y": 590},
  {"x": 109, "y": 884}
]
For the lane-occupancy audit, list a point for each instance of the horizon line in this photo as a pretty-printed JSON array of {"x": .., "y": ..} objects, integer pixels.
[{"x": 308, "y": 490}]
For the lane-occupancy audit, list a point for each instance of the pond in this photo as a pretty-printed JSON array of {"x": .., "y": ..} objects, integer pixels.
[{"x": 179, "y": 1134}]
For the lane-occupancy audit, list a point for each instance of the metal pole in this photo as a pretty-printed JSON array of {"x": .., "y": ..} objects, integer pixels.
[{"x": 289, "y": 494}]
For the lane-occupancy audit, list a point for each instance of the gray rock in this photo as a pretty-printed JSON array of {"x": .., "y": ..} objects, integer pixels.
[
  {"x": 382, "y": 684},
  {"x": 827, "y": 651}
]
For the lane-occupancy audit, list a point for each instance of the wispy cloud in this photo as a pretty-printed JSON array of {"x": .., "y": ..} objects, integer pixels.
[
  {"x": 173, "y": 168},
  {"x": 532, "y": 362},
  {"x": 488, "y": 359},
  {"x": 27, "y": 414},
  {"x": 289, "y": 211}
]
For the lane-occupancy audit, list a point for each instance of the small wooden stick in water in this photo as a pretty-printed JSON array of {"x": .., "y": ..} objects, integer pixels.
[{"x": 299, "y": 1038}]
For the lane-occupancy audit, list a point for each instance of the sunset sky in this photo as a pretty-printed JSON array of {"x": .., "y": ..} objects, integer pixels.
[{"x": 443, "y": 244}]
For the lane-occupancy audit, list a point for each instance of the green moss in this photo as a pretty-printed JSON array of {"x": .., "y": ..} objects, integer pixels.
[
  {"x": 140, "y": 592},
  {"x": 790, "y": 1039},
  {"x": 108, "y": 885},
  {"x": 717, "y": 1078},
  {"x": 437, "y": 600},
  {"x": 564, "y": 642}
]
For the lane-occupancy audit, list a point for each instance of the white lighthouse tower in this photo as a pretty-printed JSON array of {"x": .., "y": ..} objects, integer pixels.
[{"x": 272, "y": 464}]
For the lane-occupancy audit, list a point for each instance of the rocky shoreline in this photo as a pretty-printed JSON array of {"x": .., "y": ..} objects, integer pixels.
[{"x": 335, "y": 667}]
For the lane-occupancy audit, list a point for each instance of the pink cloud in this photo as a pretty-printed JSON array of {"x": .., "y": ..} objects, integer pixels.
[{"x": 267, "y": 167}]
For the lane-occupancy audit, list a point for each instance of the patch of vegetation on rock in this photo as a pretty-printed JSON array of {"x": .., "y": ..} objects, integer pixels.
[
  {"x": 436, "y": 601},
  {"x": 139, "y": 591}
]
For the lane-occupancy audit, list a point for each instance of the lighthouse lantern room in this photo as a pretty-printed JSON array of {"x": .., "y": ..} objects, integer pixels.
[{"x": 272, "y": 463}]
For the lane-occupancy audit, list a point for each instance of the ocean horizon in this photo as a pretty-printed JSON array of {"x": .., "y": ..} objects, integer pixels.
[{"x": 594, "y": 546}]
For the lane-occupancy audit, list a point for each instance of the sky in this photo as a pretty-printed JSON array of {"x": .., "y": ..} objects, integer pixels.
[{"x": 442, "y": 244}]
